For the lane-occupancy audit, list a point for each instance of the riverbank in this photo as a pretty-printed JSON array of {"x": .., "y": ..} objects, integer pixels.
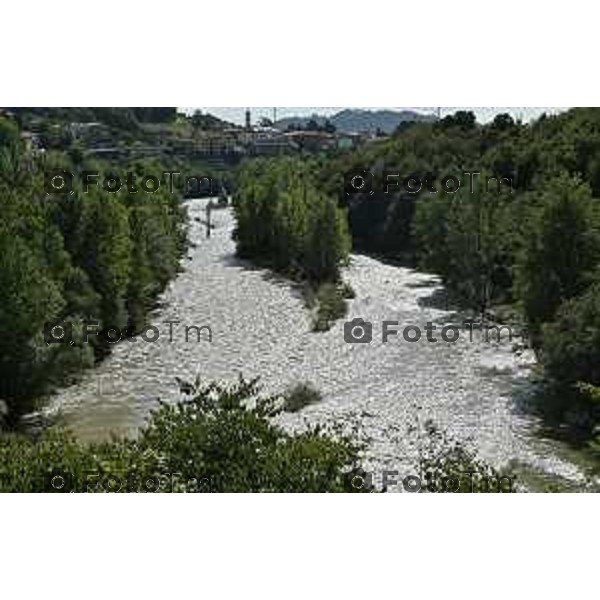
[
  {"x": 326, "y": 301},
  {"x": 382, "y": 394}
]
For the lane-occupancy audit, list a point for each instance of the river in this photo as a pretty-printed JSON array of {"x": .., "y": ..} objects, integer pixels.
[{"x": 261, "y": 327}]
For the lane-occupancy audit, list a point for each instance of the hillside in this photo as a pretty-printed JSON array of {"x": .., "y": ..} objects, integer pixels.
[{"x": 351, "y": 120}]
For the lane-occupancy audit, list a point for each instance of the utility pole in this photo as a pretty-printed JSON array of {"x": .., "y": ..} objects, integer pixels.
[{"x": 208, "y": 210}]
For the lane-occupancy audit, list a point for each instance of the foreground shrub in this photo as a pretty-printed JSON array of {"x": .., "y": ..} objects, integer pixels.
[
  {"x": 454, "y": 469},
  {"x": 221, "y": 440}
]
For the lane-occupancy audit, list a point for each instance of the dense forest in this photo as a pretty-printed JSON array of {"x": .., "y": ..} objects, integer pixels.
[
  {"x": 67, "y": 257},
  {"x": 282, "y": 217},
  {"x": 534, "y": 245},
  {"x": 521, "y": 238}
]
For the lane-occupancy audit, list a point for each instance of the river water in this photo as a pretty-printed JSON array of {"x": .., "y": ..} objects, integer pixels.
[{"x": 260, "y": 327}]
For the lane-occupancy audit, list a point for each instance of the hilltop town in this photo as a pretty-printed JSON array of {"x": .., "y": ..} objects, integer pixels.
[{"x": 165, "y": 132}]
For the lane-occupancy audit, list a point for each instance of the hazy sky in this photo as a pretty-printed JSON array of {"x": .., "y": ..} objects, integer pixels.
[{"x": 236, "y": 114}]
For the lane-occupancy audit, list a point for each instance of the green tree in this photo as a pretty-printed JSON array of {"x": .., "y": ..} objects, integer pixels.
[
  {"x": 570, "y": 346},
  {"x": 328, "y": 241},
  {"x": 281, "y": 218},
  {"x": 561, "y": 250},
  {"x": 28, "y": 300},
  {"x": 9, "y": 133},
  {"x": 106, "y": 253}
]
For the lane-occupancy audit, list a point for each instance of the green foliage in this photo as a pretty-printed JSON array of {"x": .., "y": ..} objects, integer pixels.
[
  {"x": 570, "y": 344},
  {"x": 282, "y": 219},
  {"x": 300, "y": 396},
  {"x": 99, "y": 255},
  {"x": 458, "y": 471},
  {"x": 330, "y": 305},
  {"x": 155, "y": 114},
  {"x": 221, "y": 440},
  {"x": 448, "y": 467},
  {"x": 284, "y": 222},
  {"x": 327, "y": 241},
  {"x": 534, "y": 244},
  {"x": 562, "y": 249},
  {"x": 9, "y": 133},
  {"x": 28, "y": 299},
  {"x": 464, "y": 239},
  {"x": 462, "y": 119},
  {"x": 206, "y": 122},
  {"x": 105, "y": 253}
]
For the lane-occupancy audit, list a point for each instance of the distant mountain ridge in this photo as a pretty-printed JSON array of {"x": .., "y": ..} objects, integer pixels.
[{"x": 355, "y": 120}]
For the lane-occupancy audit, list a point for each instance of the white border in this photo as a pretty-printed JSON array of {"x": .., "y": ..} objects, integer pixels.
[
  {"x": 464, "y": 53},
  {"x": 298, "y": 546},
  {"x": 310, "y": 53}
]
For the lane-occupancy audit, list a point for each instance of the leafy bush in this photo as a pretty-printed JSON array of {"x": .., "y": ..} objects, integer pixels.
[
  {"x": 459, "y": 471},
  {"x": 221, "y": 440},
  {"x": 330, "y": 306},
  {"x": 571, "y": 344},
  {"x": 300, "y": 396},
  {"x": 454, "y": 469}
]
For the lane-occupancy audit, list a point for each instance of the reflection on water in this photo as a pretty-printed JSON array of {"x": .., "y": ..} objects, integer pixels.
[{"x": 260, "y": 327}]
